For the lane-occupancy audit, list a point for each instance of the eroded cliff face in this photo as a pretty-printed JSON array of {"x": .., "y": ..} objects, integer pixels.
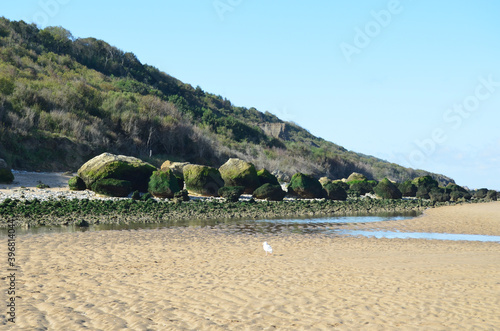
[{"x": 276, "y": 130}]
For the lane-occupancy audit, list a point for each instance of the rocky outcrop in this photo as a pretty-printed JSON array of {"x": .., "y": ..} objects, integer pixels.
[
  {"x": 108, "y": 165},
  {"x": 305, "y": 186},
  {"x": 355, "y": 176},
  {"x": 276, "y": 130},
  {"x": 386, "y": 189},
  {"x": 202, "y": 180},
  {"x": 265, "y": 177},
  {"x": 163, "y": 184},
  {"x": 236, "y": 172},
  {"x": 269, "y": 192}
]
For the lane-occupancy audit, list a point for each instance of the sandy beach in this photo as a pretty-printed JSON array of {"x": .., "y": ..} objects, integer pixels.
[{"x": 208, "y": 279}]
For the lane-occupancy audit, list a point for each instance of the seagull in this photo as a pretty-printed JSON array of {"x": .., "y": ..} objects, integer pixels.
[{"x": 267, "y": 248}]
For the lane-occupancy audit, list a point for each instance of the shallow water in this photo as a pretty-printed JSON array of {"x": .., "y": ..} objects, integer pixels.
[
  {"x": 266, "y": 226},
  {"x": 420, "y": 235},
  {"x": 326, "y": 225}
]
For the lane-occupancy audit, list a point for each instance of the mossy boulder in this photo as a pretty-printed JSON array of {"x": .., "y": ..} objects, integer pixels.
[
  {"x": 335, "y": 190},
  {"x": 408, "y": 189},
  {"x": 425, "y": 181},
  {"x": 356, "y": 176},
  {"x": 492, "y": 195},
  {"x": 6, "y": 175},
  {"x": 112, "y": 187},
  {"x": 269, "y": 192},
  {"x": 305, "y": 186},
  {"x": 481, "y": 193},
  {"x": 458, "y": 192},
  {"x": 361, "y": 187},
  {"x": 76, "y": 184},
  {"x": 265, "y": 177},
  {"x": 120, "y": 167},
  {"x": 231, "y": 193},
  {"x": 386, "y": 189},
  {"x": 439, "y": 194},
  {"x": 163, "y": 184},
  {"x": 236, "y": 172},
  {"x": 202, "y": 180}
]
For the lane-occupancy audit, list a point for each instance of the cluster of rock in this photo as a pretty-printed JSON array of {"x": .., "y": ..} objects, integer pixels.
[{"x": 118, "y": 175}]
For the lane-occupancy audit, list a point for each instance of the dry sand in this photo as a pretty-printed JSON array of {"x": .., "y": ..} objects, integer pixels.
[{"x": 208, "y": 279}]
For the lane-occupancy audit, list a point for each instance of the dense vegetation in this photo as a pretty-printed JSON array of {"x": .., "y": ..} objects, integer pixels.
[{"x": 64, "y": 100}]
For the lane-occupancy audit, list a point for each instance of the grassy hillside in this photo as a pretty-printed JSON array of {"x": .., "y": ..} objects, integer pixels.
[{"x": 64, "y": 100}]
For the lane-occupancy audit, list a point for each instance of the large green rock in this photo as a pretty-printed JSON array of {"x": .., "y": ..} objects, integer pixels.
[
  {"x": 6, "y": 176},
  {"x": 265, "y": 177},
  {"x": 202, "y": 180},
  {"x": 408, "y": 189},
  {"x": 356, "y": 176},
  {"x": 305, "y": 186},
  {"x": 112, "y": 187},
  {"x": 269, "y": 192},
  {"x": 236, "y": 172},
  {"x": 387, "y": 190},
  {"x": 163, "y": 184},
  {"x": 121, "y": 167},
  {"x": 335, "y": 190}
]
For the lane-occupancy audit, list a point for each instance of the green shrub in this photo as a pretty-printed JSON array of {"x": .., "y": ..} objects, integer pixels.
[
  {"x": 76, "y": 184},
  {"x": 112, "y": 187},
  {"x": 305, "y": 186},
  {"x": 269, "y": 192},
  {"x": 335, "y": 190},
  {"x": 231, "y": 193},
  {"x": 387, "y": 190},
  {"x": 163, "y": 184}
]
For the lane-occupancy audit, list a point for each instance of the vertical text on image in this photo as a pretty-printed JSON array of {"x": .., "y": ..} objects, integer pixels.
[{"x": 11, "y": 270}]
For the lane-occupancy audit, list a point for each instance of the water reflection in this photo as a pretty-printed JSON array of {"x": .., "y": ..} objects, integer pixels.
[
  {"x": 420, "y": 235},
  {"x": 266, "y": 226}
]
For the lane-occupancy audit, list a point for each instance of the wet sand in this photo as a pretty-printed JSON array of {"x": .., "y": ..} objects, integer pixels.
[{"x": 209, "y": 279}]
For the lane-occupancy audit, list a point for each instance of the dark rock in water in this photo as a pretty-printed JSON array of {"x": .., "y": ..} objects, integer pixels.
[
  {"x": 120, "y": 167},
  {"x": 202, "y": 180},
  {"x": 269, "y": 192},
  {"x": 83, "y": 224},
  {"x": 236, "y": 172},
  {"x": 76, "y": 184},
  {"x": 231, "y": 193},
  {"x": 6, "y": 176},
  {"x": 112, "y": 187},
  {"x": 163, "y": 184},
  {"x": 387, "y": 190},
  {"x": 305, "y": 186},
  {"x": 335, "y": 190},
  {"x": 265, "y": 177}
]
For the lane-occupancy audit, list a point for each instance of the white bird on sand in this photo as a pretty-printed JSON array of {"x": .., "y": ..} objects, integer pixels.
[{"x": 267, "y": 248}]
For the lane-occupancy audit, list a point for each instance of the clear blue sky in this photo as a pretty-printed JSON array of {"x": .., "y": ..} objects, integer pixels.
[{"x": 412, "y": 82}]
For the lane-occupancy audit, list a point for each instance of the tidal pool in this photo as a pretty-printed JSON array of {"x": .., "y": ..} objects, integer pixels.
[{"x": 420, "y": 235}]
